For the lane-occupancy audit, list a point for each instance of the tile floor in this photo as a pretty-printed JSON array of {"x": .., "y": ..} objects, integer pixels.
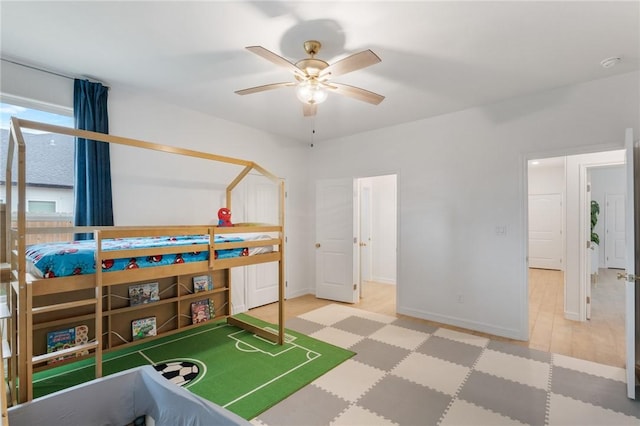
[{"x": 411, "y": 373}]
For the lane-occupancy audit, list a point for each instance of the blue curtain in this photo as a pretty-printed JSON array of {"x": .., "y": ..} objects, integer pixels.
[{"x": 93, "y": 201}]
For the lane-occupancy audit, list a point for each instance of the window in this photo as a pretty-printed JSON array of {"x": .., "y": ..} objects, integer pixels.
[
  {"x": 49, "y": 157},
  {"x": 41, "y": 206},
  {"x": 50, "y": 171}
]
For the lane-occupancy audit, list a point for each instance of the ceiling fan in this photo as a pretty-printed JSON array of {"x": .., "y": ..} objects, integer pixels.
[{"x": 313, "y": 76}]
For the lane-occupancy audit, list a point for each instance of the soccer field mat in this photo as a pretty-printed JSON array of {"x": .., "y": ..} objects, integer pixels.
[{"x": 222, "y": 363}]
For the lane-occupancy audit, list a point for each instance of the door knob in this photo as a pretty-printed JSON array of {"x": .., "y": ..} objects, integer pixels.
[
  {"x": 628, "y": 277},
  {"x": 317, "y": 245}
]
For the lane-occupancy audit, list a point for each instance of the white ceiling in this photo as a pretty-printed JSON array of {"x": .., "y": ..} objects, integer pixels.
[{"x": 437, "y": 57}]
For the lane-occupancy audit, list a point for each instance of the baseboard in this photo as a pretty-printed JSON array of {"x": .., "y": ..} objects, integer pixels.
[
  {"x": 302, "y": 292},
  {"x": 383, "y": 280},
  {"x": 574, "y": 316},
  {"x": 469, "y": 325}
]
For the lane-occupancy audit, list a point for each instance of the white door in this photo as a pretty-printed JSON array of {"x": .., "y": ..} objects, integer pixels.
[
  {"x": 365, "y": 233},
  {"x": 631, "y": 279},
  {"x": 592, "y": 261},
  {"x": 545, "y": 231},
  {"x": 262, "y": 206},
  {"x": 336, "y": 243},
  {"x": 615, "y": 249}
]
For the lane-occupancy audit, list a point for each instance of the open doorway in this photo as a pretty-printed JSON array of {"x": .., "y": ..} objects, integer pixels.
[
  {"x": 566, "y": 281},
  {"x": 377, "y": 228},
  {"x": 356, "y": 219}
]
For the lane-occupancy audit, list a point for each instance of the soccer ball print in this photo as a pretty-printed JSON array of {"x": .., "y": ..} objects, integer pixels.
[{"x": 180, "y": 373}]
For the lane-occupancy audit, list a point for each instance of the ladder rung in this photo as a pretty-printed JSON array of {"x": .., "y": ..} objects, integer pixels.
[
  {"x": 60, "y": 306},
  {"x": 63, "y": 352}
]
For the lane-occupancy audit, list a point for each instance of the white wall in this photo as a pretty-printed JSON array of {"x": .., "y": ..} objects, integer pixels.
[{"x": 461, "y": 180}]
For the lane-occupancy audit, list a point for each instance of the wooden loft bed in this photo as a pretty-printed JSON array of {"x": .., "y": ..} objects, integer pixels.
[{"x": 98, "y": 300}]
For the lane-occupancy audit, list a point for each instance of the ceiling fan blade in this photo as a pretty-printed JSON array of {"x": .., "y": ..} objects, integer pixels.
[
  {"x": 263, "y": 88},
  {"x": 276, "y": 59},
  {"x": 309, "y": 109},
  {"x": 355, "y": 92},
  {"x": 351, "y": 63}
]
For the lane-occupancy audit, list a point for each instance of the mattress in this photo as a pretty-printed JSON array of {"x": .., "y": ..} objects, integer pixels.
[{"x": 51, "y": 260}]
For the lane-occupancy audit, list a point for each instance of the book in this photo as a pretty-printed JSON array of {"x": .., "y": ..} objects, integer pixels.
[
  {"x": 201, "y": 311},
  {"x": 202, "y": 283},
  {"x": 67, "y": 338},
  {"x": 143, "y": 293},
  {"x": 143, "y": 327}
]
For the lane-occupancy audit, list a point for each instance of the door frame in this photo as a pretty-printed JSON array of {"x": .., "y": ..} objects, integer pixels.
[
  {"x": 585, "y": 236},
  {"x": 372, "y": 194},
  {"x": 583, "y": 272}
]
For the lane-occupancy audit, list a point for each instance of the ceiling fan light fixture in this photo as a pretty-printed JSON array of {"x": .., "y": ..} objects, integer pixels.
[
  {"x": 311, "y": 92},
  {"x": 313, "y": 76}
]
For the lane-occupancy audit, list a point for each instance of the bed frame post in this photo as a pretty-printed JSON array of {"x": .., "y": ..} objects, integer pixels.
[
  {"x": 6, "y": 246},
  {"x": 97, "y": 236},
  {"x": 281, "y": 278},
  {"x": 25, "y": 323}
]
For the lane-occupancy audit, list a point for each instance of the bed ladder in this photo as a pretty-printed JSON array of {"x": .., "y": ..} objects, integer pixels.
[{"x": 25, "y": 389}]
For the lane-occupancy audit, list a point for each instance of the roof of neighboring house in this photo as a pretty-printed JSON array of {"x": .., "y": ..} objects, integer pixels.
[{"x": 49, "y": 159}]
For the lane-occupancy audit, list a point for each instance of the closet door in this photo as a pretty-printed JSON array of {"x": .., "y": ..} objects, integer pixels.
[
  {"x": 262, "y": 206},
  {"x": 615, "y": 234},
  {"x": 545, "y": 231}
]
